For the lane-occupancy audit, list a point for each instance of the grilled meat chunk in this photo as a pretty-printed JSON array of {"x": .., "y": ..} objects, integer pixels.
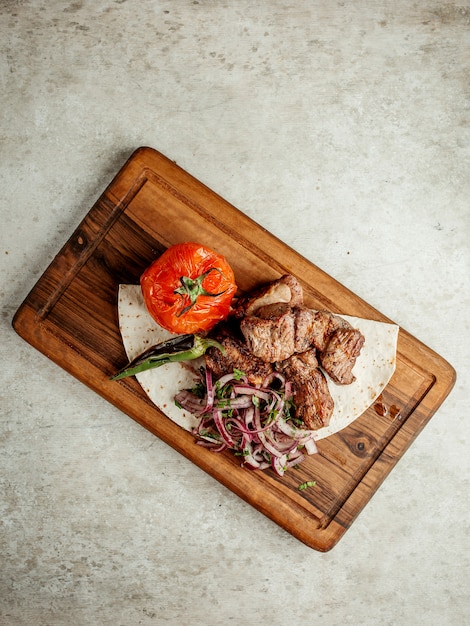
[
  {"x": 273, "y": 311},
  {"x": 277, "y": 331},
  {"x": 322, "y": 327},
  {"x": 272, "y": 329},
  {"x": 305, "y": 328},
  {"x": 340, "y": 354},
  {"x": 313, "y": 402},
  {"x": 286, "y": 289},
  {"x": 237, "y": 356},
  {"x": 310, "y": 327},
  {"x": 270, "y": 339}
]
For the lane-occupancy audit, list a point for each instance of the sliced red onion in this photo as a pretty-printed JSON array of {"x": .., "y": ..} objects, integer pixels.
[
  {"x": 245, "y": 390},
  {"x": 220, "y": 425},
  {"x": 252, "y": 421},
  {"x": 274, "y": 375},
  {"x": 280, "y": 464},
  {"x": 311, "y": 446},
  {"x": 240, "y": 402},
  {"x": 209, "y": 391},
  {"x": 227, "y": 378}
]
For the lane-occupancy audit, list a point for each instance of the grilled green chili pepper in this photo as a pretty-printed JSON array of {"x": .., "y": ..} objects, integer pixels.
[{"x": 182, "y": 348}]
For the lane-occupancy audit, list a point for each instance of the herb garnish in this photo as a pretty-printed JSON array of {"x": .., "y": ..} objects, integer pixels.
[{"x": 306, "y": 484}]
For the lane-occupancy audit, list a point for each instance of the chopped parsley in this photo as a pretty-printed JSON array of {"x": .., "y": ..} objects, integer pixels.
[{"x": 306, "y": 484}]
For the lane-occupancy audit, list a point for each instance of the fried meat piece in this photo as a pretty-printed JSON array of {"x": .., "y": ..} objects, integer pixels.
[
  {"x": 286, "y": 289},
  {"x": 313, "y": 402},
  {"x": 237, "y": 356},
  {"x": 340, "y": 354}
]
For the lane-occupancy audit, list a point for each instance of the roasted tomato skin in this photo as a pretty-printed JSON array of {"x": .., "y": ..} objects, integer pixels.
[{"x": 189, "y": 288}]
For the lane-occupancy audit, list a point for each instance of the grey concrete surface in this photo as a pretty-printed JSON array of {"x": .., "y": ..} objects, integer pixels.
[{"x": 343, "y": 128}]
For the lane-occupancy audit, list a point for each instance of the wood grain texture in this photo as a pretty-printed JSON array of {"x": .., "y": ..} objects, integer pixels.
[{"x": 71, "y": 316}]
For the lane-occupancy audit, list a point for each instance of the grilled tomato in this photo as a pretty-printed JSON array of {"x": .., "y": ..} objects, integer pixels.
[{"x": 189, "y": 288}]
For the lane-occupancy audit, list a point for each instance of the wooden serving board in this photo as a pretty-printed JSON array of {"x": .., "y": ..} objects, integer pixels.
[{"x": 71, "y": 316}]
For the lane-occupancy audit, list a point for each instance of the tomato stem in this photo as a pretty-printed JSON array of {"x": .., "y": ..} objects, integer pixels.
[{"x": 192, "y": 288}]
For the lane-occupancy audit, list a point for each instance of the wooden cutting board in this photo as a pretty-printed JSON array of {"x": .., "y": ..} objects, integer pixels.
[{"x": 71, "y": 316}]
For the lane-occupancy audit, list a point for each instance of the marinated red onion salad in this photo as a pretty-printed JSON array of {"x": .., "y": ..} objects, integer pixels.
[{"x": 256, "y": 422}]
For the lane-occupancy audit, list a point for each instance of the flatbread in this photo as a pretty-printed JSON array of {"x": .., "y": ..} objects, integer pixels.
[{"x": 373, "y": 369}]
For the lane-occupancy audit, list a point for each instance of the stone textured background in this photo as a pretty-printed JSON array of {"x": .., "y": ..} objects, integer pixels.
[{"x": 343, "y": 128}]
